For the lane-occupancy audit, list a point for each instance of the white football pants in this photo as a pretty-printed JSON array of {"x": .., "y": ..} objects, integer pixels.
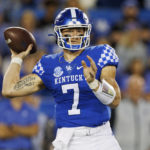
[{"x": 86, "y": 138}]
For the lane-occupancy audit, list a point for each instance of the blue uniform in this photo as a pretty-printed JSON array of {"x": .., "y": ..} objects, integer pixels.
[
  {"x": 24, "y": 117},
  {"x": 76, "y": 105}
]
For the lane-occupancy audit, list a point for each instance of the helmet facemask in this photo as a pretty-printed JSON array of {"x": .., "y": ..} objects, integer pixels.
[{"x": 66, "y": 41}]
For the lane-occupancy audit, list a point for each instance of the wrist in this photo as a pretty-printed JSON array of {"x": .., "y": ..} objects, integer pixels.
[
  {"x": 94, "y": 85},
  {"x": 105, "y": 93},
  {"x": 17, "y": 60}
]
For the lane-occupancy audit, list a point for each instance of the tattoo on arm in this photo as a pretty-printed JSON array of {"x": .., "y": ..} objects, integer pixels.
[{"x": 26, "y": 82}]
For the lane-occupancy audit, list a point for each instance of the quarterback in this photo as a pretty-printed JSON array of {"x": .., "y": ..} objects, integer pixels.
[{"x": 81, "y": 79}]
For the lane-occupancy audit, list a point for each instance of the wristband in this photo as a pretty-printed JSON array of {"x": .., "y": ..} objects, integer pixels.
[
  {"x": 105, "y": 93},
  {"x": 16, "y": 60},
  {"x": 94, "y": 84}
]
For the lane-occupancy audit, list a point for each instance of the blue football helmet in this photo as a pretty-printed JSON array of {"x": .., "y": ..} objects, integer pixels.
[{"x": 72, "y": 18}]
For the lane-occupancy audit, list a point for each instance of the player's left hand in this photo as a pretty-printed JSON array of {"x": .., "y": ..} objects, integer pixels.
[{"x": 89, "y": 72}]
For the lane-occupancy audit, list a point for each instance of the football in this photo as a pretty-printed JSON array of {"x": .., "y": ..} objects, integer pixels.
[{"x": 18, "y": 39}]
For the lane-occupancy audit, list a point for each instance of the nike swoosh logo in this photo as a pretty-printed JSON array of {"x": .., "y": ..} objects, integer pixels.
[{"x": 79, "y": 67}]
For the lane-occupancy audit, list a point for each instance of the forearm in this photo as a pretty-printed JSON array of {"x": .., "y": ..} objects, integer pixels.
[
  {"x": 6, "y": 132},
  {"x": 105, "y": 92},
  {"x": 109, "y": 73},
  {"x": 11, "y": 77},
  {"x": 21, "y": 87},
  {"x": 117, "y": 98},
  {"x": 29, "y": 131}
]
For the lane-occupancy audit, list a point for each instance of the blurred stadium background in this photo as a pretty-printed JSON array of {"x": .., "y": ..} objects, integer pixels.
[{"x": 125, "y": 25}]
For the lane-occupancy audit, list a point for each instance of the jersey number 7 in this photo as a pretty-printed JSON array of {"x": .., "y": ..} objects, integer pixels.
[{"x": 75, "y": 87}]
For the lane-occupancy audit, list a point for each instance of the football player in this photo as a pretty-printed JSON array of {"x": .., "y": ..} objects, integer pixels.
[{"x": 82, "y": 81}]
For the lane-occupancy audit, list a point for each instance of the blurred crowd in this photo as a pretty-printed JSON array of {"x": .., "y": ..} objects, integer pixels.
[{"x": 29, "y": 123}]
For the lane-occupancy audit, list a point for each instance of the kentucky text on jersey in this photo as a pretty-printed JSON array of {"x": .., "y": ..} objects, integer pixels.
[{"x": 67, "y": 79}]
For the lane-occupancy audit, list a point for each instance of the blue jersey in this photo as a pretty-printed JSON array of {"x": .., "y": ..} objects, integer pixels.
[
  {"x": 24, "y": 117},
  {"x": 76, "y": 105}
]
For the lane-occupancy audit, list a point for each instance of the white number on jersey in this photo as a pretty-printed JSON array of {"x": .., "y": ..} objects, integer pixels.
[{"x": 75, "y": 87}]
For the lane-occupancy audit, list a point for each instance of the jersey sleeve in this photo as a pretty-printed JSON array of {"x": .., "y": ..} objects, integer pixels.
[
  {"x": 108, "y": 57},
  {"x": 40, "y": 69}
]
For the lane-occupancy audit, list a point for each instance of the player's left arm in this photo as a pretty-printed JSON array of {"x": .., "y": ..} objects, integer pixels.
[
  {"x": 30, "y": 130},
  {"x": 108, "y": 73},
  {"x": 106, "y": 90}
]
